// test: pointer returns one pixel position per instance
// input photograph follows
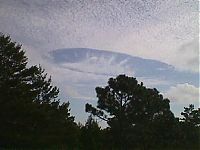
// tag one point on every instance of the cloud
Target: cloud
(100, 66)
(186, 58)
(85, 69)
(183, 94)
(78, 80)
(149, 29)
(73, 93)
(152, 82)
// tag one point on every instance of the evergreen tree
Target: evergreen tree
(190, 128)
(191, 115)
(30, 111)
(91, 136)
(135, 114)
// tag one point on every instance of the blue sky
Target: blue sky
(162, 32)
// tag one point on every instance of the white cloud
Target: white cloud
(73, 93)
(183, 94)
(149, 29)
(152, 82)
(100, 66)
(78, 80)
(188, 57)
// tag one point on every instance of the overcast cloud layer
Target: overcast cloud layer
(162, 30)
(157, 29)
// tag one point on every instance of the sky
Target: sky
(163, 33)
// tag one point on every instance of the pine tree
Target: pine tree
(30, 111)
(133, 112)
(91, 135)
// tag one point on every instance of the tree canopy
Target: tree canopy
(30, 111)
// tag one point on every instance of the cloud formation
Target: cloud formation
(183, 94)
(100, 66)
(149, 29)
(189, 54)
(84, 69)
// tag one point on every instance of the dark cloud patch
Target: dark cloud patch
(106, 63)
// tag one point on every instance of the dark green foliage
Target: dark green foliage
(30, 112)
(91, 136)
(190, 127)
(191, 116)
(137, 116)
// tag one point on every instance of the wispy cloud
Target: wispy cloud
(100, 66)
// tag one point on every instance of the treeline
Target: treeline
(138, 118)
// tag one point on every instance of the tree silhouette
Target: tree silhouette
(191, 116)
(131, 109)
(30, 111)
(91, 135)
(190, 127)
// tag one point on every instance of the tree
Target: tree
(30, 111)
(91, 135)
(190, 127)
(191, 115)
(131, 110)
